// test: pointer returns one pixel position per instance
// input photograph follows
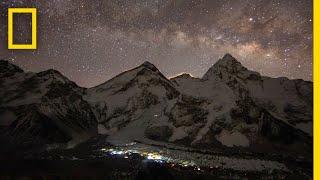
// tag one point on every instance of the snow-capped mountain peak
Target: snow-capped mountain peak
(149, 65)
(227, 59)
(46, 106)
(229, 106)
(227, 67)
(8, 69)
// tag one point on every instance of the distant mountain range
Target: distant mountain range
(230, 107)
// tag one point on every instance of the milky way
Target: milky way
(92, 41)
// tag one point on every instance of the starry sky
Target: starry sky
(92, 41)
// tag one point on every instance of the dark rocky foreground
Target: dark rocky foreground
(118, 169)
(86, 161)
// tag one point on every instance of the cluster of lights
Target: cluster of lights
(154, 156)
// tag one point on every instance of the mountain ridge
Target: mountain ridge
(229, 107)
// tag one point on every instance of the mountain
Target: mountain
(256, 112)
(229, 108)
(43, 108)
(131, 102)
(290, 100)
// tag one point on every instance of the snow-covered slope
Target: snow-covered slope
(43, 107)
(131, 102)
(231, 107)
(246, 109)
(289, 100)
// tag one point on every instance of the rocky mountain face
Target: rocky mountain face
(230, 107)
(132, 102)
(254, 111)
(42, 108)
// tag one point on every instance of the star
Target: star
(92, 42)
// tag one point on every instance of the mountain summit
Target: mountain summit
(228, 66)
(8, 69)
(149, 65)
(228, 59)
(43, 108)
(230, 107)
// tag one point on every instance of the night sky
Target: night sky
(90, 41)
